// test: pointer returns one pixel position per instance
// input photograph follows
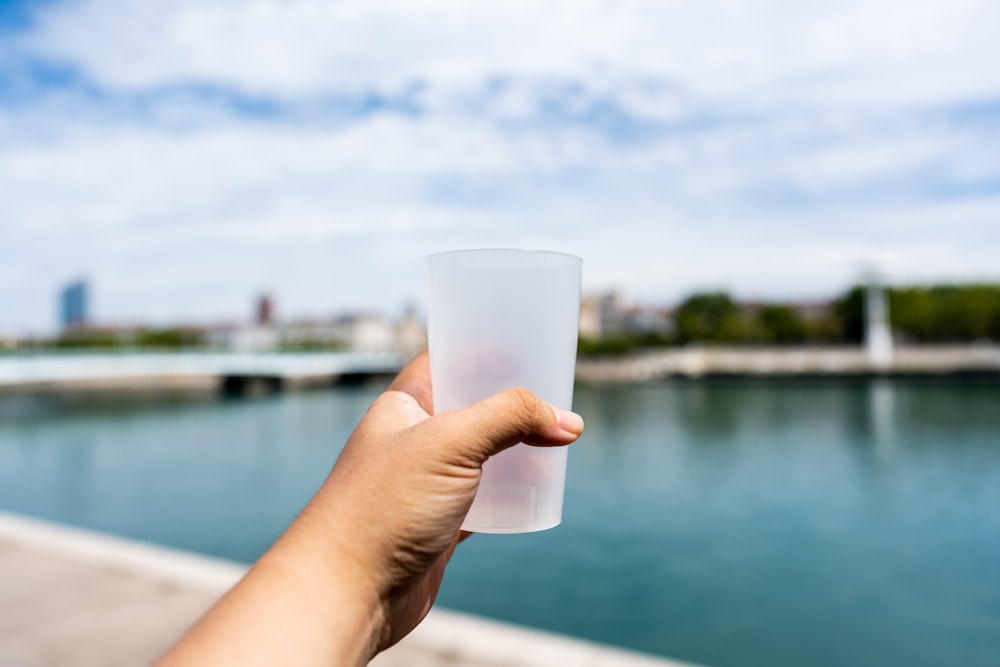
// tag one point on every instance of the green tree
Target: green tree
(934, 314)
(779, 325)
(614, 346)
(86, 339)
(170, 338)
(849, 315)
(710, 317)
(946, 313)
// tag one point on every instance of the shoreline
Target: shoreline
(703, 363)
(83, 598)
(693, 363)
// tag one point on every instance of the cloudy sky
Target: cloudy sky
(185, 155)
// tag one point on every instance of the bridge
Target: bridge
(232, 373)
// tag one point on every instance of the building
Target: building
(604, 315)
(73, 312)
(359, 332)
(410, 334)
(265, 310)
(244, 338)
(349, 332)
(365, 332)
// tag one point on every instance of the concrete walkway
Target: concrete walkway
(73, 598)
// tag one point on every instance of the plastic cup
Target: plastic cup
(499, 319)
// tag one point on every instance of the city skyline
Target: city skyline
(186, 156)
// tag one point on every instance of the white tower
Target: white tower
(878, 339)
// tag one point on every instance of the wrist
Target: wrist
(331, 588)
(334, 618)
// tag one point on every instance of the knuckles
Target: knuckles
(527, 411)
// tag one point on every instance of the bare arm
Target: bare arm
(361, 565)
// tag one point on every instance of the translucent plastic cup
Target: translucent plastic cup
(499, 319)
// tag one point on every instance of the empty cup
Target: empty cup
(499, 319)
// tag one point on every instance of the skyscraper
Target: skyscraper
(73, 305)
(265, 310)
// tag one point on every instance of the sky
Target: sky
(186, 155)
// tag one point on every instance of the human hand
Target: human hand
(361, 565)
(405, 481)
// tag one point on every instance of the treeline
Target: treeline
(936, 314)
(166, 339)
(170, 338)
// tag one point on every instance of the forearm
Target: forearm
(362, 564)
(302, 603)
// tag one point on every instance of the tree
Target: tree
(935, 314)
(849, 313)
(779, 325)
(708, 317)
(945, 313)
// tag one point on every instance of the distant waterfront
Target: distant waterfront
(789, 361)
(731, 523)
(269, 372)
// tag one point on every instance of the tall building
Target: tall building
(73, 305)
(265, 310)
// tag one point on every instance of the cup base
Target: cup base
(507, 530)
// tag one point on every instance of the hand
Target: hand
(405, 482)
(362, 564)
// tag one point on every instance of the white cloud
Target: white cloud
(716, 50)
(763, 145)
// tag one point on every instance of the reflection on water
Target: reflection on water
(883, 421)
(728, 523)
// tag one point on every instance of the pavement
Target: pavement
(75, 598)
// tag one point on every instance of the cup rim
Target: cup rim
(470, 252)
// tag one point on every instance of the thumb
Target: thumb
(503, 420)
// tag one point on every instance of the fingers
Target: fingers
(503, 420)
(494, 424)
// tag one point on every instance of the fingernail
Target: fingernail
(569, 421)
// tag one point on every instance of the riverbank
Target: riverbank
(706, 362)
(75, 598)
(230, 373)
(233, 374)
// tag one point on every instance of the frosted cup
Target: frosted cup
(499, 319)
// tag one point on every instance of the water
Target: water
(736, 524)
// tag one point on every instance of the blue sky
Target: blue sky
(186, 155)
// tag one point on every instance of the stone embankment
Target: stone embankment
(698, 362)
(75, 598)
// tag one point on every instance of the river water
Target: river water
(735, 524)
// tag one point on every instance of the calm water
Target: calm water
(735, 524)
